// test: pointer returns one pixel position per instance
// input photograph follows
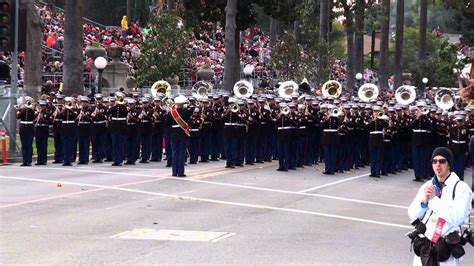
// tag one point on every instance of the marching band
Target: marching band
(294, 128)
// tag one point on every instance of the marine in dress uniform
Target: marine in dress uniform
(118, 128)
(158, 128)
(84, 124)
(421, 130)
(145, 128)
(132, 139)
(42, 122)
(252, 133)
(376, 130)
(58, 149)
(284, 126)
(194, 129)
(177, 121)
(27, 116)
(99, 129)
(330, 141)
(207, 115)
(68, 130)
(459, 140)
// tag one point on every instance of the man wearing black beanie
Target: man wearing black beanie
(443, 204)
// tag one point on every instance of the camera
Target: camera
(420, 228)
(467, 237)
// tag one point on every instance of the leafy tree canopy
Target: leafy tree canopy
(164, 50)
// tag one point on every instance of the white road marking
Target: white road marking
(256, 188)
(78, 193)
(181, 193)
(230, 203)
(333, 183)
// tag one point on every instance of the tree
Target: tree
(33, 62)
(349, 23)
(385, 32)
(164, 51)
(230, 44)
(73, 69)
(422, 32)
(359, 35)
(399, 43)
(324, 21)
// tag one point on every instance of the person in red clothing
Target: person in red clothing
(51, 40)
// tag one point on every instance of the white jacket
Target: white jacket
(455, 212)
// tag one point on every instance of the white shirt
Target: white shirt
(455, 212)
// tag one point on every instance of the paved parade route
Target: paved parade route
(97, 214)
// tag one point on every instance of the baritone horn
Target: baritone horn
(29, 102)
(119, 98)
(368, 92)
(201, 89)
(332, 88)
(405, 94)
(445, 99)
(243, 89)
(287, 88)
(160, 86)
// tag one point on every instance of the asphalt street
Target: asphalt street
(252, 215)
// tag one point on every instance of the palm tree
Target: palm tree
(399, 43)
(423, 22)
(323, 20)
(359, 36)
(349, 23)
(385, 31)
(33, 60)
(73, 40)
(231, 53)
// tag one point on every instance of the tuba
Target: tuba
(201, 89)
(160, 86)
(445, 99)
(405, 94)
(29, 102)
(119, 98)
(368, 92)
(287, 88)
(332, 88)
(243, 89)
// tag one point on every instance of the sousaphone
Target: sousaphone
(243, 89)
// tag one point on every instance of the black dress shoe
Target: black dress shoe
(341, 171)
(239, 165)
(56, 162)
(168, 165)
(192, 162)
(40, 163)
(229, 166)
(130, 163)
(109, 160)
(215, 160)
(268, 160)
(292, 168)
(203, 161)
(67, 164)
(259, 161)
(24, 164)
(282, 170)
(328, 173)
(384, 173)
(249, 163)
(183, 175)
(144, 161)
(418, 180)
(82, 163)
(116, 164)
(97, 161)
(154, 160)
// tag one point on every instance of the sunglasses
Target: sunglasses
(441, 161)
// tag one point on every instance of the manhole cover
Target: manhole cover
(173, 235)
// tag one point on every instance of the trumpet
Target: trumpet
(234, 108)
(285, 110)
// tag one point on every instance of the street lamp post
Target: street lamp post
(424, 81)
(359, 78)
(100, 63)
